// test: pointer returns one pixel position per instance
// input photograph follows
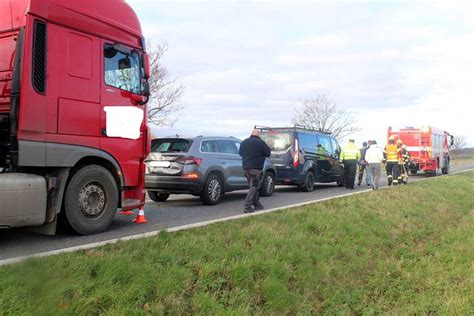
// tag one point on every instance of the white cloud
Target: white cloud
(243, 63)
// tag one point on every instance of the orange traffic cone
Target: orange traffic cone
(129, 212)
(140, 219)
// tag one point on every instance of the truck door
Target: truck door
(122, 120)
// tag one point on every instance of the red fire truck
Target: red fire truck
(73, 128)
(428, 148)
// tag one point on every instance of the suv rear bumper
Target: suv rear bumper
(172, 184)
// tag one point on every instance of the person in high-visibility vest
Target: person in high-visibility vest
(390, 154)
(404, 162)
(349, 156)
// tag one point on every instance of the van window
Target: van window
(325, 142)
(121, 70)
(170, 145)
(277, 141)
(308, 142)
(227, 147)
(335, 146)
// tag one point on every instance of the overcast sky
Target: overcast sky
(403, 63)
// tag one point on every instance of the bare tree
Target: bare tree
(165, 105)
(459, 142)
(321, 113)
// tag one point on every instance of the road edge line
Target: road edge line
(10, 261)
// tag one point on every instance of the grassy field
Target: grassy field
(406, 250)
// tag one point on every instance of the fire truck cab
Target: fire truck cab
(73, 116)
(428, 148)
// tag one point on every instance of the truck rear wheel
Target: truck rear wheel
(446, 167)
(91, 200)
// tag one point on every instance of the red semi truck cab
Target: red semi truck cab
(428, 147)
(73, 115)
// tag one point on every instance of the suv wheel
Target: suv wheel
(308, 184)
(213, 190)
(157, 196)
(268, 184)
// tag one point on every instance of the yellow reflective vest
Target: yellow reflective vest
(391, 152)
(350, 152)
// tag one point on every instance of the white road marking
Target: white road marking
(190, 226)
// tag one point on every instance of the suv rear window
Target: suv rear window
(170, 145)
(277, 141)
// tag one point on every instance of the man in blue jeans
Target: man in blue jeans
(253, 151)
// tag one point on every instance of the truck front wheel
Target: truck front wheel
(90, 200)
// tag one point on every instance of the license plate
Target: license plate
(159, 164)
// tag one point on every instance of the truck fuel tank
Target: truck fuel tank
(23, 200)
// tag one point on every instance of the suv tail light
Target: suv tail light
(296, 156)
(190, 160)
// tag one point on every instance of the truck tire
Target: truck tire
(446, 167)
(268, 184)
(157, 196)
(213, 190)
(91, 200)
(308, 184)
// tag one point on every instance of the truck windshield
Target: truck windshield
(277, 141)
(122, 70)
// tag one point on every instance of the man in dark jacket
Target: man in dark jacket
(253, 151)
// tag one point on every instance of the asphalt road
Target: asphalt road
(177, 211)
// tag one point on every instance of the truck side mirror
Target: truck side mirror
(146, 65)
(145, 88)
(452, 140)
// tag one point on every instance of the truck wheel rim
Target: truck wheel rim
(92, 200)
(214, 189)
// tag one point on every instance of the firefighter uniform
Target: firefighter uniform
(390, 154)
(349, 156)
(403, 162)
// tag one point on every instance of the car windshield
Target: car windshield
(276, 140)
(170, 145)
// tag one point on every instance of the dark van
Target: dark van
(303, 156)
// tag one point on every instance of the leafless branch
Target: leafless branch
(165, 105)
(321, 113)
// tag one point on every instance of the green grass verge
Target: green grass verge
(407, 250)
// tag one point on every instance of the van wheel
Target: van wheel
(91, 200)
(308, 184)
(268, 184)
(213, 190)
(342, 181)
(157, 196)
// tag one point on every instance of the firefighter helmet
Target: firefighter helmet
(399, 142)
(391, 139)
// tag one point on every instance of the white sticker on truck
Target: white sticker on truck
(123, 121)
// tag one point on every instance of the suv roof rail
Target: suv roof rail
(294, 128)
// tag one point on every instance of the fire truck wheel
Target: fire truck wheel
(445, 169)
(91, 200)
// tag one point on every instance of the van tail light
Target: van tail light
(296, 155)
(190, 160)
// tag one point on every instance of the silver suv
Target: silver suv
(202, 166)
